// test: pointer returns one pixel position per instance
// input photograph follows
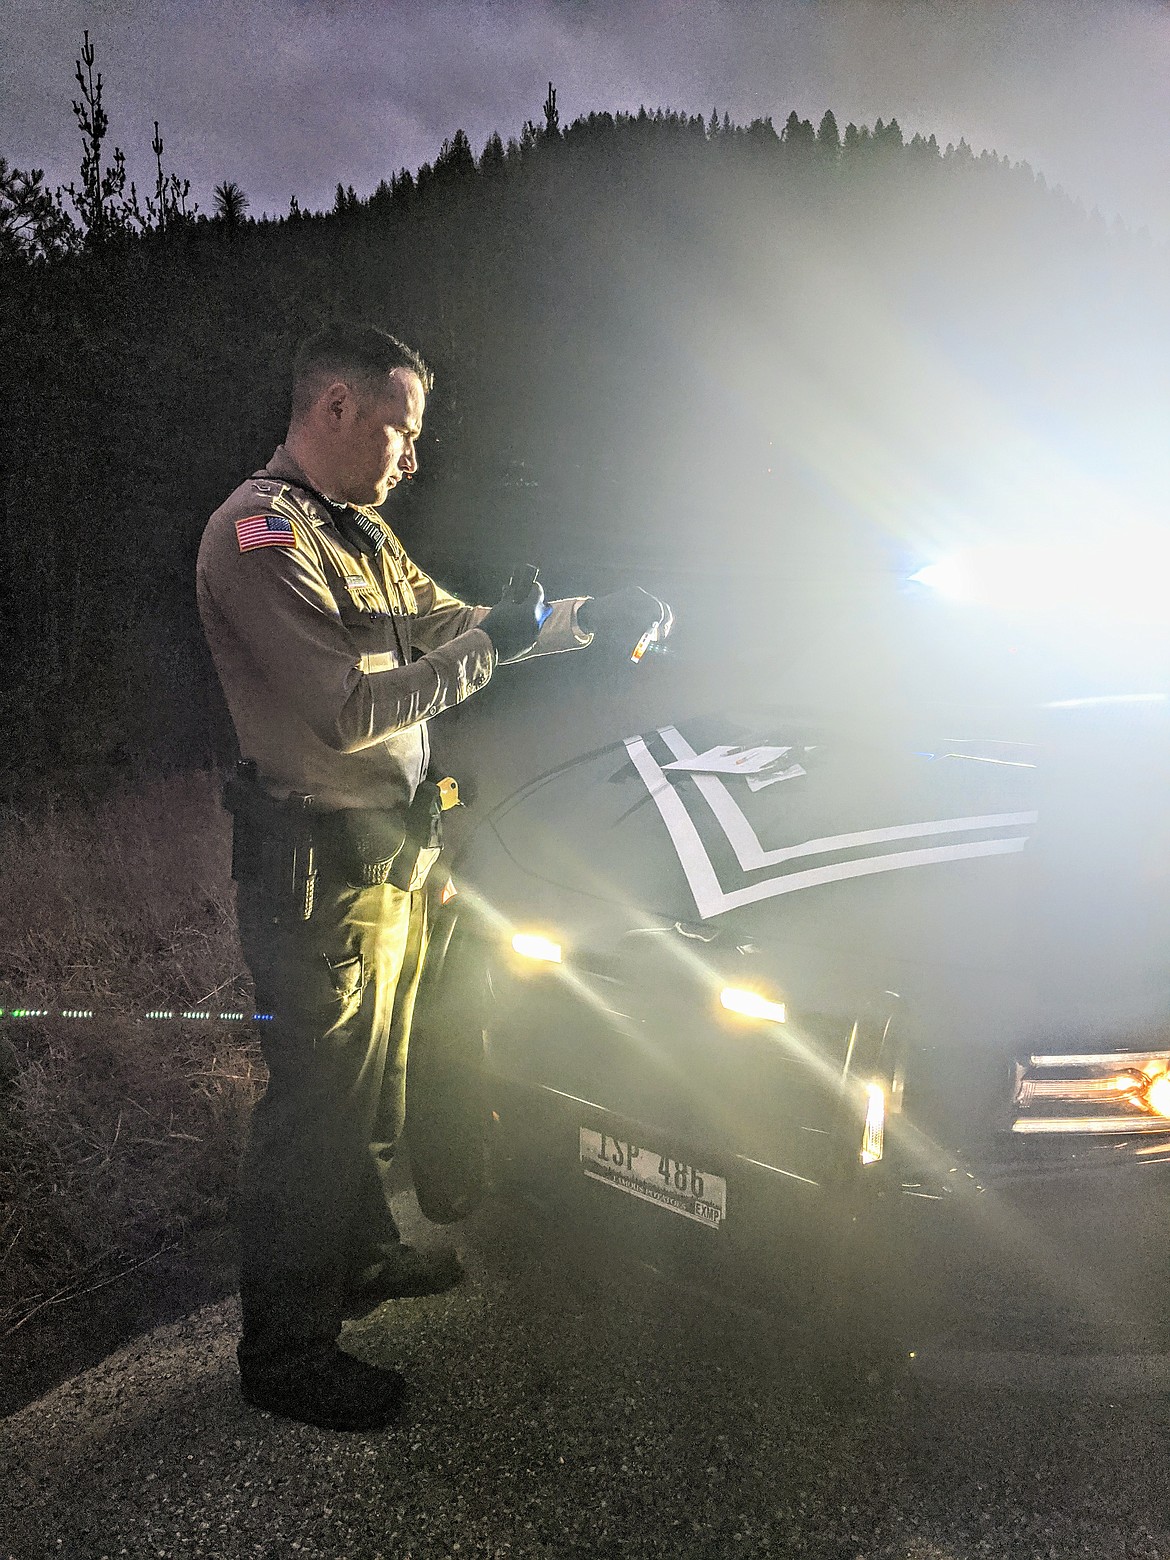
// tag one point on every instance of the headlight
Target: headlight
(1112, 1092)
(752, 1004)
(531, 945)
(873, 1134)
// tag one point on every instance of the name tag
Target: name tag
(380, 661)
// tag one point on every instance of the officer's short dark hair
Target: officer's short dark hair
(358, 353)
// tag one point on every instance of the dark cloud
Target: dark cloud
(292, 98)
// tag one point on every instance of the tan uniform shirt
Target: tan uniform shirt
(332, 662)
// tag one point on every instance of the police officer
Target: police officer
(334, 650)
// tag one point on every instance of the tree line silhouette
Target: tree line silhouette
(657, 335)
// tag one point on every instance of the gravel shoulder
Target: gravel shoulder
(557, 1410)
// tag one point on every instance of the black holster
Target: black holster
(273, 844)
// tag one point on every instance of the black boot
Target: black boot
(406, 1272)
(333, 1390)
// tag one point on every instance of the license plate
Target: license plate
(658, 1178)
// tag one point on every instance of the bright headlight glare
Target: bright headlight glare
(531, 945)
(1126, 578)
(752, 1004)
(945, 577)
(873, 1136)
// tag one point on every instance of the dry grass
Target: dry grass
(119, 1136)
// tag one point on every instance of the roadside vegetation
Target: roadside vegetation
(119, 1134)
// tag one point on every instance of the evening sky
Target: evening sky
(290, 98)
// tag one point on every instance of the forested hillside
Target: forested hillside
(656, 338)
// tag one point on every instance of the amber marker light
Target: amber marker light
(1158, 1095)
(530, 945)
(752, 1005)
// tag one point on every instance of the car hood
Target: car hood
(831, 846)
(940, 852)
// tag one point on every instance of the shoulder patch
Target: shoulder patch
(265, 531)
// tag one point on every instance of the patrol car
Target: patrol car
(872, 1014)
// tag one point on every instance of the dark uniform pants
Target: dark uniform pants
(314, 1212)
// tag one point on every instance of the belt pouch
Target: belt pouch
(366, 841)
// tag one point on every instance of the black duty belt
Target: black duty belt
(286, 845)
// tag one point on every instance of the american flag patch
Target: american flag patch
(265, 531)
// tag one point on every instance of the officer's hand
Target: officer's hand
(512, 626)
(624, 616)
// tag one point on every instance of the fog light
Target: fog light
(530, 945)
(873, 1136)
(752, 1005)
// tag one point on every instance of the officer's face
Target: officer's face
(379, 447)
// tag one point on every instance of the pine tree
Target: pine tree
(798, 134)
(231, 204)
(491, 162)
(402, 189)
(762, 132)
(552, 120)
(101, 202)
(33, 223)
(456, 160)
(345, 201)
(169, 205)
